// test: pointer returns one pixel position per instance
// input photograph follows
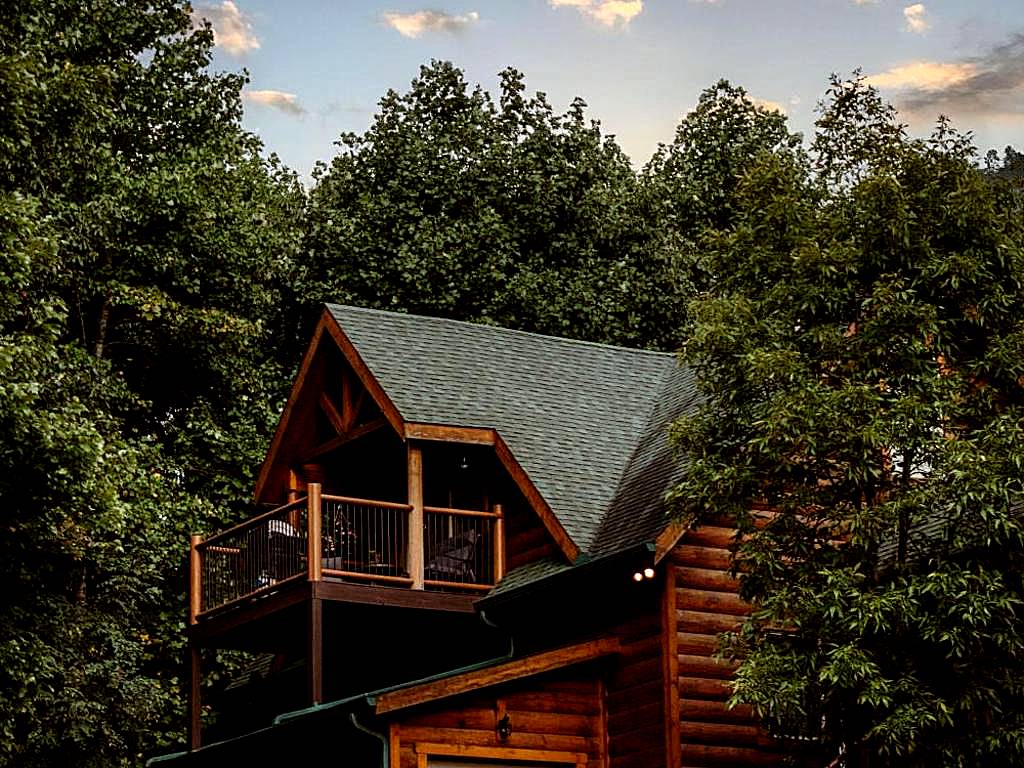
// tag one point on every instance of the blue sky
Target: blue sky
(318, 67)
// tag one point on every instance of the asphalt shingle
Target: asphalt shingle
(587, 422)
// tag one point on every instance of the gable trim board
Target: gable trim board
(493, 675)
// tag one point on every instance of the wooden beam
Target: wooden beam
(668, 538)
(313, 543)
(315, 653)
(195, 579)
(345, 437)
(195, 719)
(348, 416)
(401, 597)
(527, 666)
(536, 500)
(415, 554)
(450, 434)
(499, 543)
(363, 373)
(670, 667)
(395, 744)
(331, 412)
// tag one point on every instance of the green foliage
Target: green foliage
(452, 204)
(689, 186)
(862, 354)
(144, 244)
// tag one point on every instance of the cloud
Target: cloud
(991, 83)
(611, 13)
(280, 100)
(232, 29)
(771, 106)
(925, 75)
(417, 23)
(915, 16)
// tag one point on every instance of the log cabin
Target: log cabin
(465, 559)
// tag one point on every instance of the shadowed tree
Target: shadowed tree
(146, 247)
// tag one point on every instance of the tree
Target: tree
(145, 250)
(504, 212)
(861, 355)
(689, 185)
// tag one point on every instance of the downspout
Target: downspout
(511, 638)
(385, 761)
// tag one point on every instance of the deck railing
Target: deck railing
(462, 548)
(351, 539)
(252, 556)
(365, 540)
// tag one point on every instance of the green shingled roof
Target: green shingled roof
(587, 422)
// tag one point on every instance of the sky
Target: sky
(319, 67)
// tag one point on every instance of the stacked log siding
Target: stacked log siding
(706, 603)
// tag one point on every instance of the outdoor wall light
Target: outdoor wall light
(646, 573)
(505, 727)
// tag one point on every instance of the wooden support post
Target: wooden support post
(315, 651)
(313, 541)
(195, 579)
(499, 543)
(416, 521)
(670, 668)
(195, 721)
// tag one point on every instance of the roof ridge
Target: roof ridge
(500, 328)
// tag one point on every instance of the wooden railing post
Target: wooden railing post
(313, 522)
(195, 579)
(499, 543)
(416, 554)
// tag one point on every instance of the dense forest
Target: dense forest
(852, 303)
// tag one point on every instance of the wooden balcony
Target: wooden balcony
(338, 538)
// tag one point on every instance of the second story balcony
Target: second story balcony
(328, 537)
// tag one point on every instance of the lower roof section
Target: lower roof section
(346, 727)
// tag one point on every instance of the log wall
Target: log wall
(636, 699)
(560, 712)
(706, 603)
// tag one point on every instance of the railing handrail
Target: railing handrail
(456, 512)
(367, 502)
(252, 522)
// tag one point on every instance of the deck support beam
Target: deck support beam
(315, 652)
(195, 721)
